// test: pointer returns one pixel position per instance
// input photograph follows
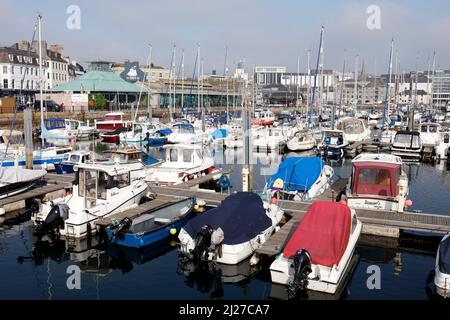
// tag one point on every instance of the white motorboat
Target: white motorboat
(320, 250)
(300, 178)
(79, 129)
(99, 190)
(184, 133)
(407, 144)
(442, 268)
(333, 143)
(268, 139)
(378, 182)
(231, 232)
(302, 141)
(355, 129)
(16, 180)
(183, 162)
(263, 118)
(430, 134)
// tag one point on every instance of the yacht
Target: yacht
(263, 118)
(184, 133)
(269, 139)
(302, 141)
(354, 129)
(333, 143)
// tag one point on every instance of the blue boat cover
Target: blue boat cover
(219, 134)
(297, 173)
(444, 255)
(186, 125)
(164, 132)
(241, 216)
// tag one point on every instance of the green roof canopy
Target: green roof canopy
(98, 81)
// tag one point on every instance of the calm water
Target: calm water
(32, 270)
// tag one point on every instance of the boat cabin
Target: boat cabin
(97, 183)
(333, 137)
(54, 123)
(183, 128)
(377, 182)
(183, 156)
(430, 133)
(77, 157)
(15, 138)
(408, 140)
(126, 155)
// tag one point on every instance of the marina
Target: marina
(138, 181)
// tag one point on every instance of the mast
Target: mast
(182, 80)
(225, 71)
(41, 80)
(315, 73)
(342, 93)
(308, 79)
(355, 87)
(297, 79)
(149, 108)
(433, 72)
(198, 78)
(386, 102)
(174, 103)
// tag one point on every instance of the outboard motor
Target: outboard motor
(53, 222)
(302, 268)
(202, 243)
(123, 226)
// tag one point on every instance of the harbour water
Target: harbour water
(40, 270)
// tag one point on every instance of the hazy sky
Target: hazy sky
(260, 32)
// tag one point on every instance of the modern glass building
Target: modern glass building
(441, 88)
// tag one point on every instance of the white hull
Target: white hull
(233, 254)
(441, 280)
(323, 279)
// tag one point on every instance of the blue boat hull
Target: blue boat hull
(138, 241)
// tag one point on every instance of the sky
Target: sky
(258, 32)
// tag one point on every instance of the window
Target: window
(173, 155)
(423, 129)
(11, 57)
(5, 83)
(12, 69)
(118, 181)
(74, 158)
(102, 184)
(187, 155)
(433, 129)
(80, 182)
(5, 70)
(19, 58)
(374, 181)
(90, 188)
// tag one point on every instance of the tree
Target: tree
(96, 101)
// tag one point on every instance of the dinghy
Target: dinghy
(320, 250)
(151, 226)
(300, 178)
(442, 268)
(231, 232)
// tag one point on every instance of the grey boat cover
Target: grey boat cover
(11, 175)
(241, 216)
(444, 255)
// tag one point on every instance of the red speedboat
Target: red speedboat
(113, 136)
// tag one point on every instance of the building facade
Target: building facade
(441, 88)
(268, 75)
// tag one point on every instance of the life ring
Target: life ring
(224, 182)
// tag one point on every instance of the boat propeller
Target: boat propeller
(302, 268)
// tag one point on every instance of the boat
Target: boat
(113, 136)
(17, 180)
(333, 143)
(42, 158)
(70, 160)
(99, 190)
(302, 141)
(139, 132)
(184, 133)
(442, 268)
(79, 129)
(159, 137)
(319, 252)
(269, 139)
(112, 121)
(263, 118)
(430, 134)
(407, 144)
(354, 129)
(152, 226)
(183, 162)
(231, 232)
(300, 178)
(378, 182)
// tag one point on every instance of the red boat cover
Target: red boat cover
(324, 232)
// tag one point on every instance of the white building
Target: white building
(19, 71)
(268, 75)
